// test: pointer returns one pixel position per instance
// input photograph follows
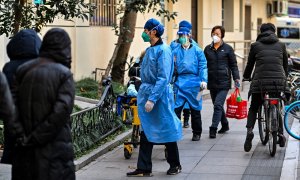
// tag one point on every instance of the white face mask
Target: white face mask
(216, 39)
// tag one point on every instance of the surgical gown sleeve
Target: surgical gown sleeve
(164, 71)
(202, 66)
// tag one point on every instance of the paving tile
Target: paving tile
(256, 177)
(216, 169)
(224, 161)
(213, 177)
(228, 147)
(265, 171)
(226, 154)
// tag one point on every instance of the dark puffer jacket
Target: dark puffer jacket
(269, 57)
(7, 108)
(44, 98)
(221, 63)
(24, 46)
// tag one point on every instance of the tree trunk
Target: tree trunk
(119, 57)
(127, 30)
(19, 4)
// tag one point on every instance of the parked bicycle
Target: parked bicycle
(270, 121)
(291, 118)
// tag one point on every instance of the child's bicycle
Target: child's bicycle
(292, 118)
(127, 108)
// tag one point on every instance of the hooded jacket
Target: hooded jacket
(269, 56)
(44, 97)
(24, 46)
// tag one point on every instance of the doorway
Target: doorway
(248, 24)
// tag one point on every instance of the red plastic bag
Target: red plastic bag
(236, 107)
(232, 105)
(242, 110)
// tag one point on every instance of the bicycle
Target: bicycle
(270, 121)
(292, 113)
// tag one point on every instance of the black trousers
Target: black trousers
(195, 119)
(144, 160)
(256, 101)
(186, 115)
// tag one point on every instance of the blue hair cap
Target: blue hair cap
(153, 24)
(186, 24)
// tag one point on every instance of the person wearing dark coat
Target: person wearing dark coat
(7, 108)
(24, 46)
(44, 97)
(221, 67)
(269, 57)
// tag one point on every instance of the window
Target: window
(104, 14)
(227, 15)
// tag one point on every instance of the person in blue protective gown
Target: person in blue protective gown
(155, 100)
(174, 44)
(191, 69)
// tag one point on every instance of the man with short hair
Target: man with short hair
(155, 100)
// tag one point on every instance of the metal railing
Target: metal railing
(241, 49)
(91, 125)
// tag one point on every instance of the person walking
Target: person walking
(155, 100)
(190, 63)
(269, 57)
(28, 44)
(44, 96)
(174, 44)
(221, 65)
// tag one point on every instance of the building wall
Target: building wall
(92, 47)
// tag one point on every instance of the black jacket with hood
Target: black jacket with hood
(44, 97)
(269, 56)
(24, 46)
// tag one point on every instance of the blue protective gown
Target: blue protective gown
(192, 70)
(160, 125)
(174, 44)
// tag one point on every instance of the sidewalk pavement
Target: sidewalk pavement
(221, 158)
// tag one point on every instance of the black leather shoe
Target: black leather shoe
(281, 140)
(139, 173)
(248, 141)
(212, 132)
(196, 137)
(224, 129)
(174, 170)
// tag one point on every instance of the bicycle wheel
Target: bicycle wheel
(273, 125)
(262, 128)
(292, 113)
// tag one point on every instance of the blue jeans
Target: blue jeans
(218, 97)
